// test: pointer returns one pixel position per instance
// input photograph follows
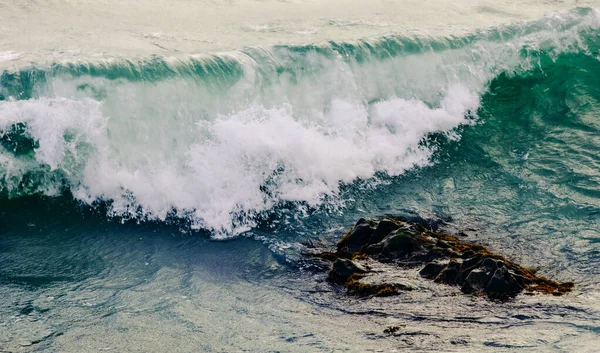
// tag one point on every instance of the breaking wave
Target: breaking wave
(222, 140)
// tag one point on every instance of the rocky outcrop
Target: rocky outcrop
(440, 257)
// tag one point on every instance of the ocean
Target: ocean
(163, 166)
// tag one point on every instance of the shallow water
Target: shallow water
(162, 203)
(79, 283)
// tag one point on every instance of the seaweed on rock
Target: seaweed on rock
(442, 258)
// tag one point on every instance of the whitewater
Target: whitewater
(135, 136)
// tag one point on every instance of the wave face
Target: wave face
(223, 141)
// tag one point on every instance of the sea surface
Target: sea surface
(164, 164)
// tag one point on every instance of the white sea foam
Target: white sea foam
(236, 165)
(8, 56)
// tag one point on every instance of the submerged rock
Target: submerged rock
(442, 258)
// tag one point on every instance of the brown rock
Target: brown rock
(443, 258)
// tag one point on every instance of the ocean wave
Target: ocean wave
(221, 139)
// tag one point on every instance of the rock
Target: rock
(450, 273)
(374, 249)
(384, 228)
(342, 270)
(432, 270)
(476, 281)
(356, 287)
(391, 330)
(358, 237)
(397, 244)
(502, 285)
(442, 257)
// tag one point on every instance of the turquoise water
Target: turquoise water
(164, 202)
